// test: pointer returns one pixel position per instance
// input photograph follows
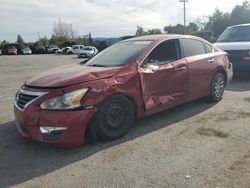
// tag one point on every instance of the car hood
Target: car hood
(233, 45)
(71, 75)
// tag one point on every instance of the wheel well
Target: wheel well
(90, 134)
(223, 72)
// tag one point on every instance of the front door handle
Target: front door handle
(178, 69)
(210, 60)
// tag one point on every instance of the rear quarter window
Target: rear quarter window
(208, 47)
(192, 47)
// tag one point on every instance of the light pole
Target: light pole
(184, 2)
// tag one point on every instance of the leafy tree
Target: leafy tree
(178, 29)
(192, 27)
(153, 31)
(140, 31)
(19, 40)
(240, 14)
(218, 22)
(3, 43)
(43, 41)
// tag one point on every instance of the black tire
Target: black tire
(114, 117)
(70, 53)
(217, 87)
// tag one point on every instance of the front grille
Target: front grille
(23, 99)
(237, 55)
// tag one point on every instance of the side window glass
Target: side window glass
(192, 47)
(165, 52)
(209, 48)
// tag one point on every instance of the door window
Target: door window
(192, 47)
(165, 52)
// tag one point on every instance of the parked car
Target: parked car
(77, 48)
(235, 40)
(131, 79)
(40, 49)
(26, 51)
(65, 50)
(52, 49)
(0, 52)
(12, 50)
(87, 52)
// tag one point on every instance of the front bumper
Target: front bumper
(241, 68)
(29, 121)
(230, 73)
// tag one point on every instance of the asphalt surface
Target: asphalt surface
(199, 144)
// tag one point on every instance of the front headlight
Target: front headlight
(65, 102)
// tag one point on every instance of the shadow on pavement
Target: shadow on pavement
(22, 159)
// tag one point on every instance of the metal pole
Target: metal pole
(184, 2)
(184, 13)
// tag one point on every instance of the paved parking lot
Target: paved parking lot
(199, 144)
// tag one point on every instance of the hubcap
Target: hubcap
(219, 87)
(114, 116)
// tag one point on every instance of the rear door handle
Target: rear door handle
(178, 69)
(210, 60)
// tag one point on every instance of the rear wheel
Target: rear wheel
(114, 117)
(217, 87)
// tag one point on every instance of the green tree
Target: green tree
(19, 40)
(3, 43)
(43, 41)
(153, 31)
(240, 14)
(140, 31)
(218, 22)
(178, 29)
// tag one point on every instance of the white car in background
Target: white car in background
(87, 52)
(52, 49)
(65, 51)
(26, 51)
(77, 48)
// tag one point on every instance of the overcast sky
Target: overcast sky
(112, 18)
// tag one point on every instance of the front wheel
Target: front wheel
(217, 87)
(114, 117)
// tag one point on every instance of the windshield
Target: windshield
(119, 54)
(235, 34)
(87, 48)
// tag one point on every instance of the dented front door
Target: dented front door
(164, 84)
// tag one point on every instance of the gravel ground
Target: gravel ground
(199, 144)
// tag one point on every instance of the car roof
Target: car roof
(239, 25)
(161, 37)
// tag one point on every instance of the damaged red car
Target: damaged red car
(131, 79)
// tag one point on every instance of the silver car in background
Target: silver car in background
(26, 51)
(87, 52)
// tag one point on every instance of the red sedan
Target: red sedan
(131, 79)
(12, 51)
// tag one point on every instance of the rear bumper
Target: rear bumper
(74, 123)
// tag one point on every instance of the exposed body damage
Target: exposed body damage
(150, 88)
